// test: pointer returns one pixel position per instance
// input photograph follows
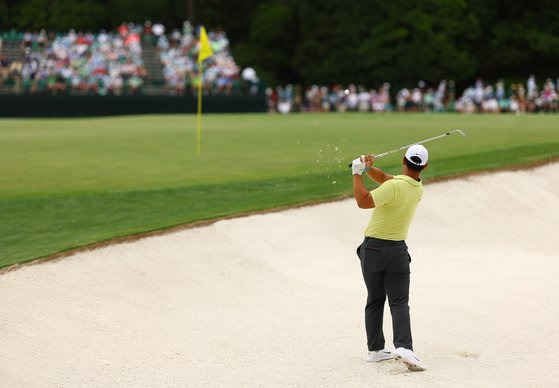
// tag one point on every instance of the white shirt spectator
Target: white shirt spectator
(416, 97)
(103, 37)
(162, 43)
(249, 75)
(532, 88)
(158, 29)
(176, 35)
(364, 101)
(478, 94)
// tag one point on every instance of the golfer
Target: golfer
(385, 261)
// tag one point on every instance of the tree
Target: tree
(332, 41)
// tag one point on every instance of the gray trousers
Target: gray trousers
(386, 270)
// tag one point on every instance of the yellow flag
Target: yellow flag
(205, 46)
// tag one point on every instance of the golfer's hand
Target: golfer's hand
(358, 165)
(369, 160)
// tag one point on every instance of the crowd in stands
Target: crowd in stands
(477, 98)
(80, 63)
(112, 62)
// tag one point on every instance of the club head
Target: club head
(460, 132)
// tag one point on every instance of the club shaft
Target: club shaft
(419, 142)
(409, 145)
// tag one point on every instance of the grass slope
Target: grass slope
(70, 182)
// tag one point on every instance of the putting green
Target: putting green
(65, 183)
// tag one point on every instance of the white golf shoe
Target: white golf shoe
(409, 358)
(379, 355)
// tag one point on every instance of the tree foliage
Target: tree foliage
(333, 41)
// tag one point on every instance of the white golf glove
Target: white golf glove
(358, 165)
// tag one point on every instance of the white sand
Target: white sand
(277, 299)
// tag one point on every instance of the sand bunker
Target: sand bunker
(277, 299)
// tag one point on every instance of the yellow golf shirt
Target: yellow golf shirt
(395, 203)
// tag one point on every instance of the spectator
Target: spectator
(123, 29)
(439, 97)
(514, 106)
(521, 98)
(284, 99)
(176, 37)
(42, 39)
(532, 88)
(158, 30)
(147, 32)
(382, 101)
(249, 76)
(429, 100)
(478, 94)
(403, 99)
(163, 43)
(549, 97)
(451, 101)
(271, 100)
(500, 90)
(351, 98)
(27, 41)
(364, 98)
(489, 103)
(416, 99)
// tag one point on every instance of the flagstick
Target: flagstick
(199, 115)
(205, 52)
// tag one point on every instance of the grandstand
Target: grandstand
(129, 60)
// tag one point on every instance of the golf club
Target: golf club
(419, 142)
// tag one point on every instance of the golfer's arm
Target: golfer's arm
(361, 194)
(378, 175)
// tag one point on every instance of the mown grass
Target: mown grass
(70, 182)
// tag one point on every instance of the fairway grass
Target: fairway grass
(66, 183)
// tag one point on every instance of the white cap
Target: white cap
(417, 154)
